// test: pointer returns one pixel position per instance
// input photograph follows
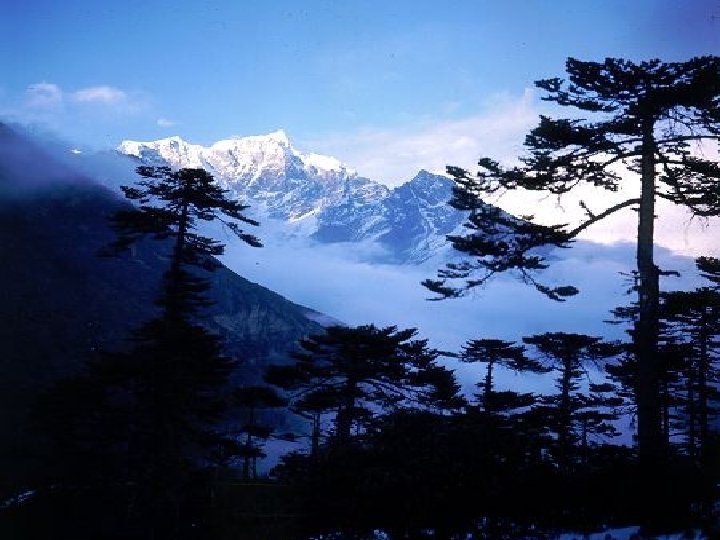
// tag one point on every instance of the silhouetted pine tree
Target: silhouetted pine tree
(253, 400)
(693, 318)
(498, 353)
(573, 414)
(156, 407)
(175, 374)
(361, 373)
(674, 364)
(597, 414)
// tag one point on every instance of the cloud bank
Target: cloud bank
(324, 278)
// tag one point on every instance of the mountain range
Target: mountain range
(317, 196)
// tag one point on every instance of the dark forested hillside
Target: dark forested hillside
(62, 304)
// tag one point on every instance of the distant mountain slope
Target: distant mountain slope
(60, 304)
(317, 195)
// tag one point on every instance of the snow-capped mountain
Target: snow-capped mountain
(275, 178)
(317, 195)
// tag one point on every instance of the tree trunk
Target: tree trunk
(665, 410)
(315, 439)
(691, 412)
(173, 305)
(346, 414)
(248, 444)
(246, 458)
(650, 444)
(703, 362)
(565, 425)
(487, 391)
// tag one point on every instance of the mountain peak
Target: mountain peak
(274, 138)
(426, 180)
(230, 157)
(424, 174)
(135, 147)
(279, 136)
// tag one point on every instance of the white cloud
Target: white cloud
(43, 95)
(93, 116)
(394, 156)
(327, 278)
(164, 122)
(99, 94)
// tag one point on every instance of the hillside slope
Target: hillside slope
(62, 305)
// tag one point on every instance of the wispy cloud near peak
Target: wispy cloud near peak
(99, 94)
(43, 95)
(47, 95)
(164, 123)
(395, 155)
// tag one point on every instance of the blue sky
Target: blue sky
(383, 85)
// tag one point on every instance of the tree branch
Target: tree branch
(602, 215)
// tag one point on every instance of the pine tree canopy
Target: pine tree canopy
(709, 269)
(169, 206)
(358, 371)
(170, 203)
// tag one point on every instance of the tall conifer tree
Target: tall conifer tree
(572, 413)
(644, 116)
(498, 353)
(174, 376)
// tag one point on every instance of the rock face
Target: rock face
(317, 195)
